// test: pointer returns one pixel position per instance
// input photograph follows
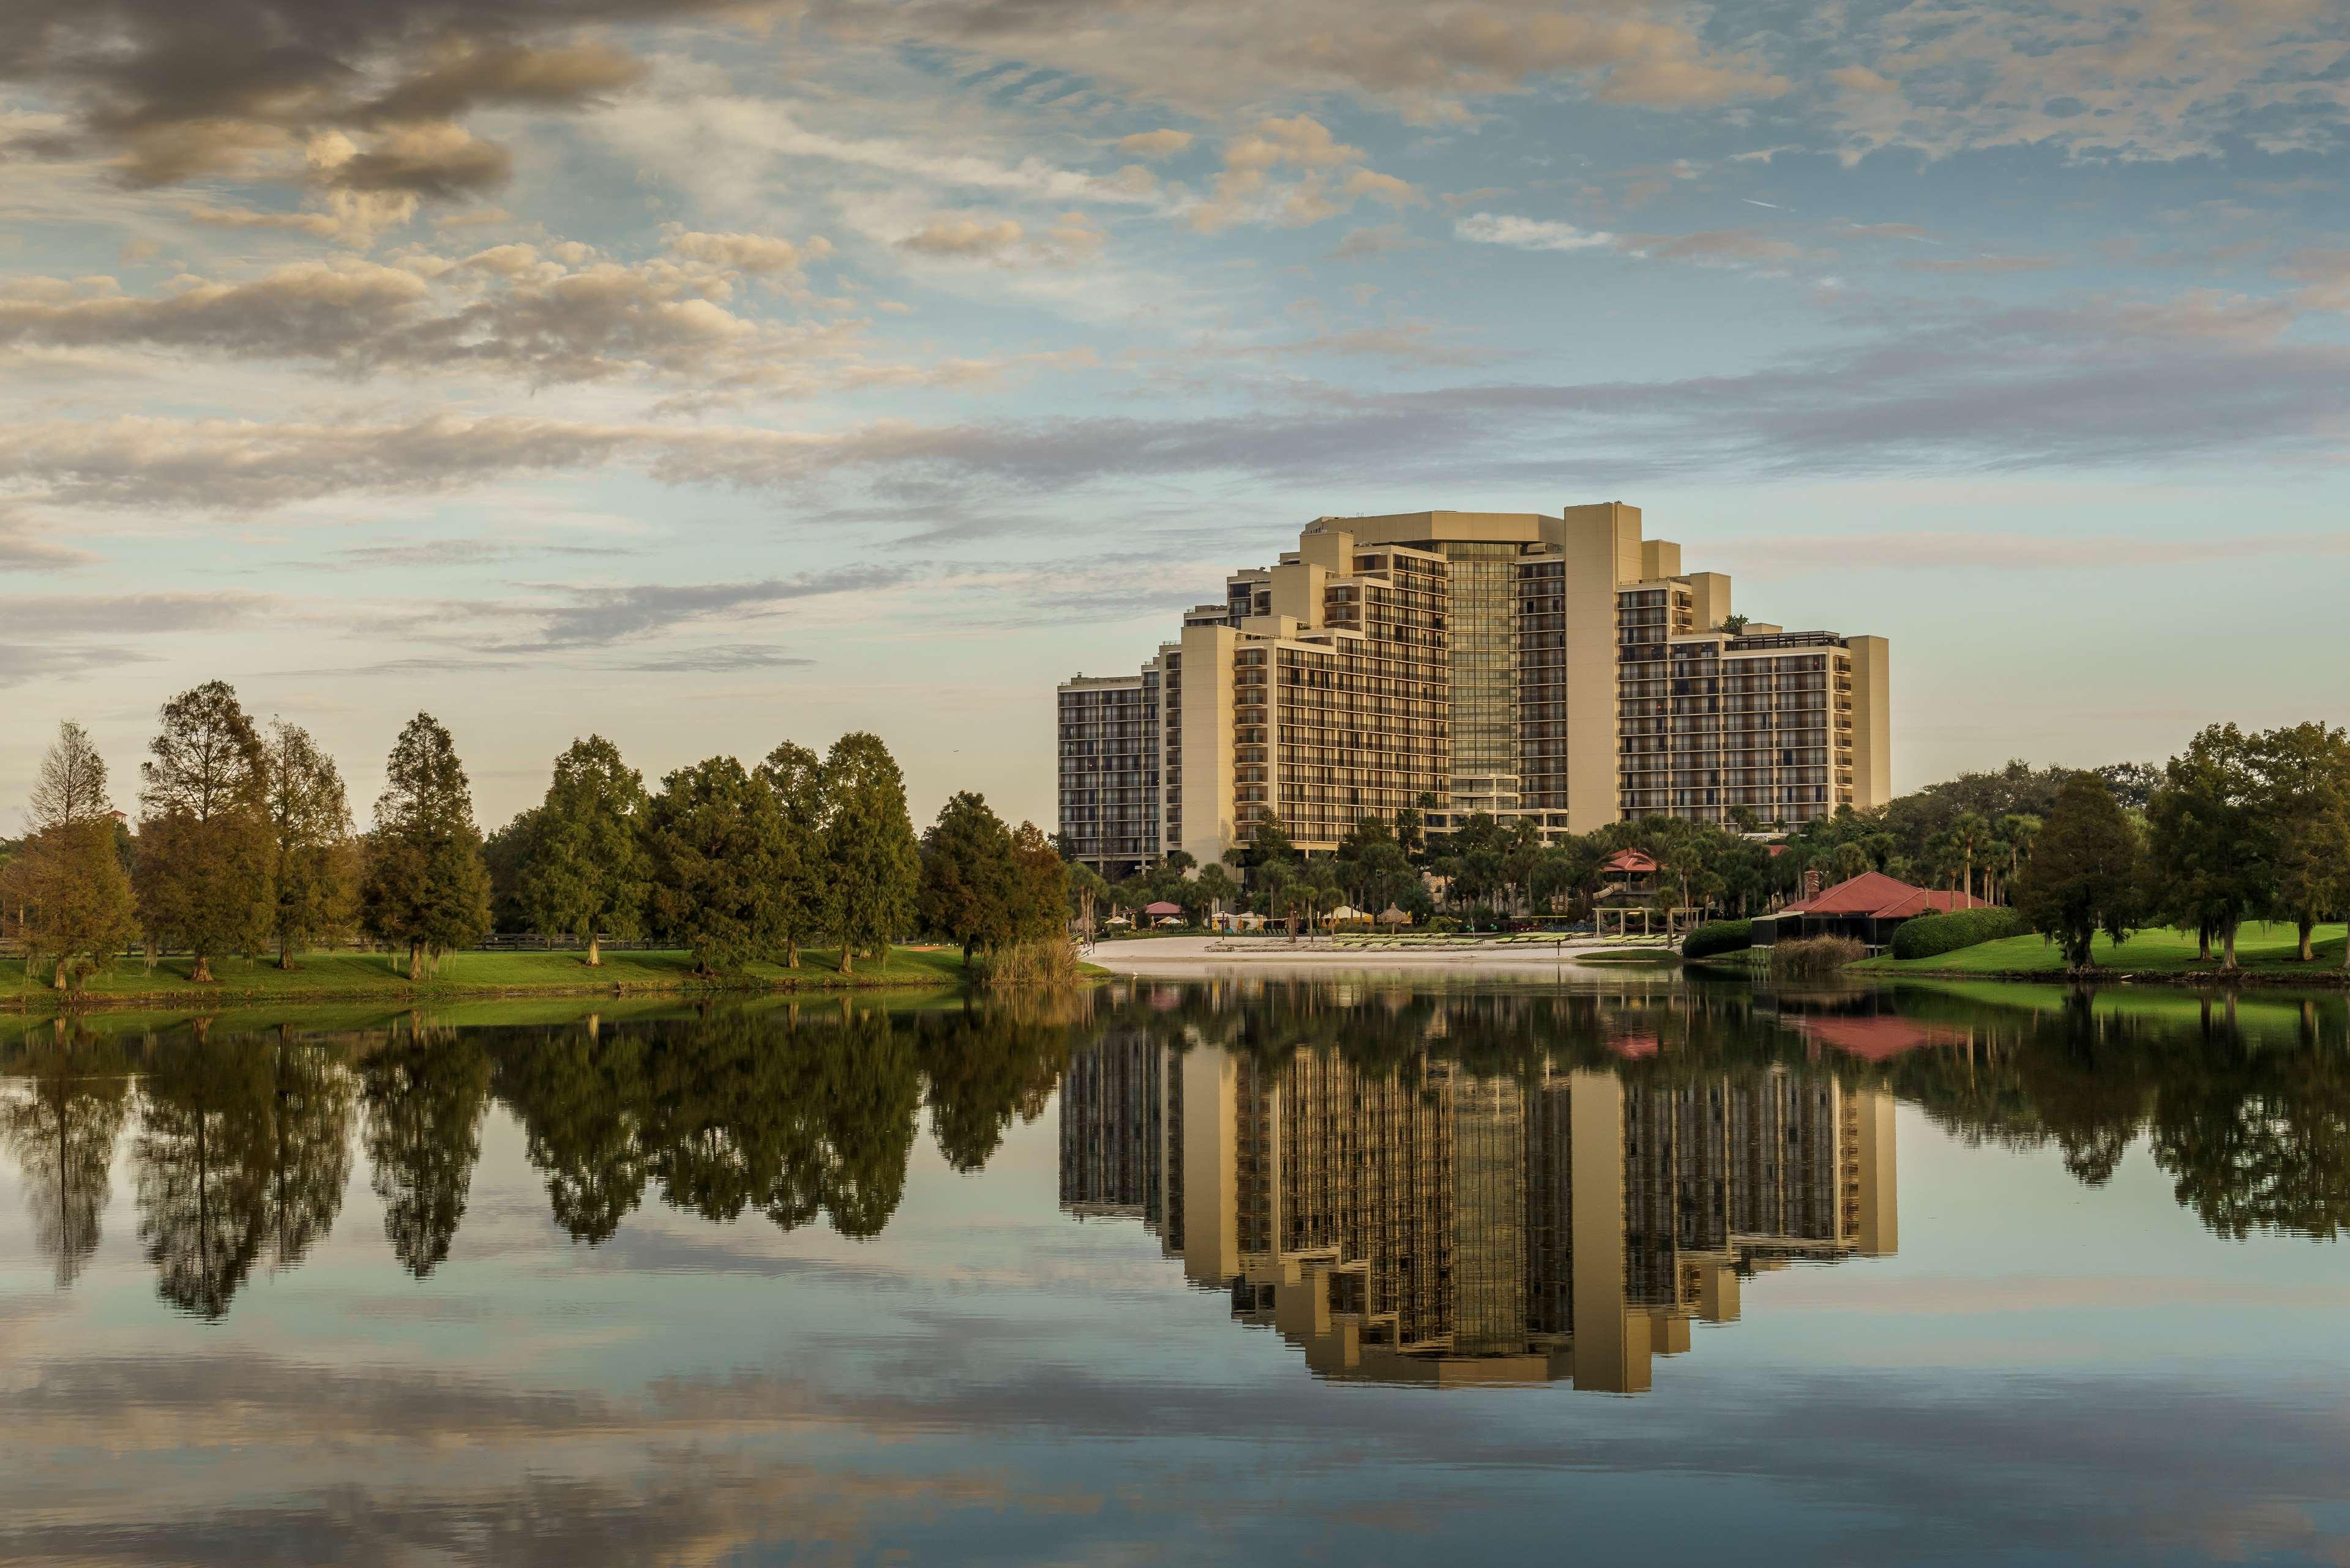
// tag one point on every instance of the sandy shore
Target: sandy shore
(1196, 955)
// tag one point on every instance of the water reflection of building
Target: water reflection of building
(1430, 1225)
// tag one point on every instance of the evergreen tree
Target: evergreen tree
(2207, 870)
(2084, 876)
(870, 858)
(795, 776)
(968, 877)
(2303, 773)
(72, 782)
(314, 870)
(718, 864)
(427, 888)
(204, 839)
(1039, 900)
(588, 869)
(73, 899)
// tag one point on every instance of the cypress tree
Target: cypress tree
(427, 888)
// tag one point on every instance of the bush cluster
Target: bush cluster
(1811, 956)
(1930, 936)
(1718, 937)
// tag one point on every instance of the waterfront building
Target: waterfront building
(1563, 670)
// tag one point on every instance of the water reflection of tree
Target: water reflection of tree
(425, 1093)
(796, 1113)
(62, 1131)
(2260, 1142)
(243, 1153)
(580, 1097)
(2248, 1112)
(983, 1066)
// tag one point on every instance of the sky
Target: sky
(705, 375)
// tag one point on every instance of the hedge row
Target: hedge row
(1718, 937)
(1931, 936)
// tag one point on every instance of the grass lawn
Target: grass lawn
(349, 976)
(2265, 949)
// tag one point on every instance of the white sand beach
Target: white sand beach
(1198, 955)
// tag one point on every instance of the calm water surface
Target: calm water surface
(1620, 1271)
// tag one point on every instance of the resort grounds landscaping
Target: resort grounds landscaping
(2265, 952)
(329, 977)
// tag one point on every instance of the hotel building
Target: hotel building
(1434, 1226)
(1560, 669)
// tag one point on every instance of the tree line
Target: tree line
(2238, 827)
(243, 844)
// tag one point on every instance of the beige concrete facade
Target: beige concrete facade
(1565, 671)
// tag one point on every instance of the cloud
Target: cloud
(1155, 144)
(171, 89)
(717, 660)
(597, 617)
(1529, 234)
(760, 254)
(2002, 551)
(964, 237)
(509, 310)
(78, 615)
(1988, 266)
(1213, 56)
(2195, 379)
(1362, 244)
(1333, 177)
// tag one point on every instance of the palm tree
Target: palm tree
(1851, 860)
(1968, 832)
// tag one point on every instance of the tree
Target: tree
(870, 860)
(75, 905)
(204, 839)
(508, 852)
(719, 863)
(2083, 875)
(72, 783)
(2206, 866)
(2303, 781)
(1086, 891)
(73, 899)
(588, 871)
(967, 879)
(313, 865)
(1968, 834)
(427, 887)
(795, 775)
(1219, 887)
(1040, 888)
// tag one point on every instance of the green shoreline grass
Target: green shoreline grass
(335, 977)
(2267, 955)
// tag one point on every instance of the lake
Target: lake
(1616, 1268)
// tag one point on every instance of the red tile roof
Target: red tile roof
(1627, 860)
(1881, 897)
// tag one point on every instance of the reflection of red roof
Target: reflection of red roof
(1876, 1039)
(1162, 908)
(1634, 1046)
(1882, 897)
(1627, 860)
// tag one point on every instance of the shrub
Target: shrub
(1930, 936)
(1044, 961)
(1809, 956)
(1718, 937)
(1443, 925)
